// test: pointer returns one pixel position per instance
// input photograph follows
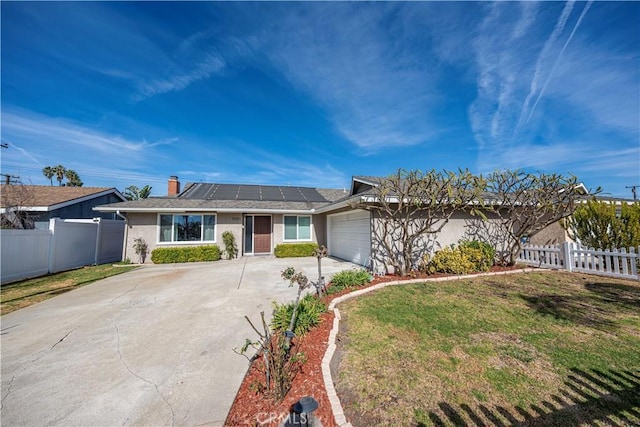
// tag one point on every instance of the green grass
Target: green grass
(446, 352)
(17, 295)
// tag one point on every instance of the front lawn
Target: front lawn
(17, 295)
(528, 349)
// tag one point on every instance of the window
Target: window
(187, 228)
(297, 228)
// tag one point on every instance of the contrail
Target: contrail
(557, 30)
(584, 12)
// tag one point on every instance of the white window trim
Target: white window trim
(190, 242)
(297, 217)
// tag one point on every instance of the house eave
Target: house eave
(212, 210)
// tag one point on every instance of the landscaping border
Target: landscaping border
(336, 406)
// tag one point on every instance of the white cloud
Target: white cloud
(376, 90)
(32, 126)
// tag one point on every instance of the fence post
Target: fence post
(96, 255)
(52, 245)
(566, 255)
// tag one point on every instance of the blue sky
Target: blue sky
(313, 93)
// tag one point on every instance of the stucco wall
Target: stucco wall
(145, 226)
(461, 226)
(550, 235)
(141, 225)
(229, 222)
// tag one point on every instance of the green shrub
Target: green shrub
(309, 311)
(348, 279)
(488, 253)
(185, 254)
(466, 258)
(292, 250)
(450, 260)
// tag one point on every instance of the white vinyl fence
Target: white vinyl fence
(621, 263)
(69, 243)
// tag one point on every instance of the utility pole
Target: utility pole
(633, 190)
(10, 179)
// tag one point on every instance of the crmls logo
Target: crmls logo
(265, 418)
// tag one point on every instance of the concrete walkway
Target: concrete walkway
(148, 347)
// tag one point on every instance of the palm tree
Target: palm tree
(132, 192)
(49, 172)
(73, 179)
(59, 172)
(145, 192)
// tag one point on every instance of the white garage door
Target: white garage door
(350, 236)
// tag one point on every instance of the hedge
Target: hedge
(185, 254)
(291, 250)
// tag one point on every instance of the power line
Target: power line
(633, 190)
(10, 179)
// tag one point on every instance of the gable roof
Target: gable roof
(48, 198)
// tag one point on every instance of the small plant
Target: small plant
(348, 279)
(280, 367)
(294, 250)
(230, 247)
(309, 311)
(141, 248)
(125, 261)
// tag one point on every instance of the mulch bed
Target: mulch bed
(252, 408)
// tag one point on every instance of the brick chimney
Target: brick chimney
(174, 186)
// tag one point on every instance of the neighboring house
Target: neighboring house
(27, 206)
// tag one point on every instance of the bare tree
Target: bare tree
(523, 204)
(410, 207)
(15, 198)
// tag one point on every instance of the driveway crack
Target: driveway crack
(173, 415)
(242, 274)
(125, 293)
(63, 338)
(8, 392)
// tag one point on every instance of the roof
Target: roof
(272, 193)
(206, 197)
(48, 198)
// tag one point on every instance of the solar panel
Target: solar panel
(312, 195)
(225, 192)
(249, 192)
(198, 191)
(271, 193)
(292, 194)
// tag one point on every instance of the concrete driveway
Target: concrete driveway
(148, 347)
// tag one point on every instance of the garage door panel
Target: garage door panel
(349, 236)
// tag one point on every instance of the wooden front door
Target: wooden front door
(261, 234)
